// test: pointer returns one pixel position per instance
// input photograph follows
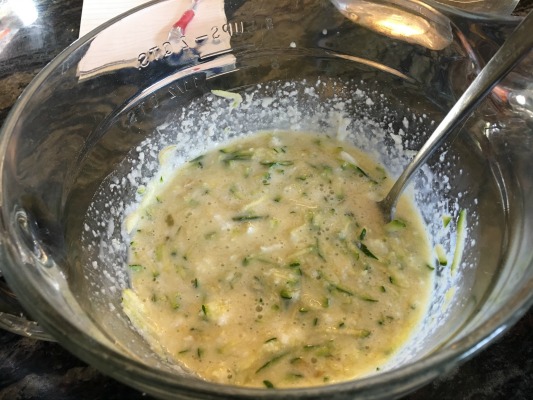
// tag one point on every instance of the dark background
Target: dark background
(31, 369)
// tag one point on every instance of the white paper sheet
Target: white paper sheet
(96, 12)
(131, 44)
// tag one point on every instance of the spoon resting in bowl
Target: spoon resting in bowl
(508, 55)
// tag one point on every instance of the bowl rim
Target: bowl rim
(114, 363)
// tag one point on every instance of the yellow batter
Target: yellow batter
(268, 263)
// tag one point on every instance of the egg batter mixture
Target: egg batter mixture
(268, 263)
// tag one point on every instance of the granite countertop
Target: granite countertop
(31, 369)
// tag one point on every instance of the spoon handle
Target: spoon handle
(517, 45)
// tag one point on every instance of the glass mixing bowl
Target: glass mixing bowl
(85, 136)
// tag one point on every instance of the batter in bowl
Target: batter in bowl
(268, 263)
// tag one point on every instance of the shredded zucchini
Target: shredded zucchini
(236, 97)
(459, 241)
(441, 255)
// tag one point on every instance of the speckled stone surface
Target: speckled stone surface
(31, 369)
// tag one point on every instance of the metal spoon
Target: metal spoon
(517, 45)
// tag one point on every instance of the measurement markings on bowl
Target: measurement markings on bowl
(217, 36)
(156, 53)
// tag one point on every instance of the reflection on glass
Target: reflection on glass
(397, 26)
(495, 7)
(408, 20)
(15, 14)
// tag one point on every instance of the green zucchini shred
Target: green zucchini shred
(270, 362)
(441, 255)
(395, 225)
(459, 241)
(366, 251)
(247, 217)
(135, 267)
(268, 384)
